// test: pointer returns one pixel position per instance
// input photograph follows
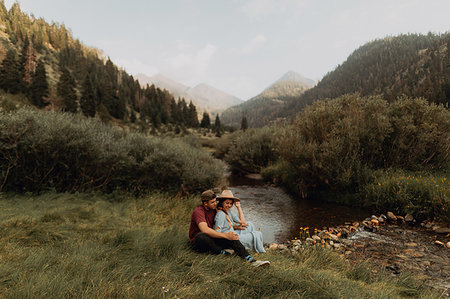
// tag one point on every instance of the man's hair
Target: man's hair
(208, 195)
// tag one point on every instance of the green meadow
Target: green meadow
(91, 245)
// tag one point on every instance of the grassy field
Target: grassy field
(93, 245)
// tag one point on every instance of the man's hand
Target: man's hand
(231, 236)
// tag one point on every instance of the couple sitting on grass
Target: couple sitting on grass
(216, 229)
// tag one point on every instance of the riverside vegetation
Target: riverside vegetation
(360, 150)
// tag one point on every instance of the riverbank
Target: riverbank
(390, 244)
(93, 245)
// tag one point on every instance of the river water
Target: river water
(280, 215)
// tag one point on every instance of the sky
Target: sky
(238, 46)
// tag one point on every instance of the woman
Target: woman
(226, 221)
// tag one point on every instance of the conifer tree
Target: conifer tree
(218, 126)
(9, 73)
(206, 122)
(88, 101)
(39, 86)
(244, 124)
(66, 90)
(193, 117)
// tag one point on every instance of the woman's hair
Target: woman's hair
(221, 201)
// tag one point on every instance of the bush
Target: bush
(252, 150)
(336, 144)
(47, 150)
(422, 195)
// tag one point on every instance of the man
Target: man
(205, 239)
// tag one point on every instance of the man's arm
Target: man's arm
(204, 228)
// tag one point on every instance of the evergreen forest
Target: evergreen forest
(44, 64)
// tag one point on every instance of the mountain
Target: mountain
(176, 88)
(414, 65)
(204, 96)
(48, 68)
(263, 108)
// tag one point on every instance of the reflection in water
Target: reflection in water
(280, 216)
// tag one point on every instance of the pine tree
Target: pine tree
(244, 124)
(39, 86)
(218, 126)
(9, 73)
(206, 122)
(66, 90)
(193, 117)
(88, 101)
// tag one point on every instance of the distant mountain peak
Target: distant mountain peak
(203, 95)
(296, 77)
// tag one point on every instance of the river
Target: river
(280, 215)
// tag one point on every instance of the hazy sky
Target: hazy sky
(238, 46)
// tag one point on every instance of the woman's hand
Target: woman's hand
(238, 227)
(244, 224)
(237, 204)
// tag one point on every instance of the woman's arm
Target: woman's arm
(241, 213)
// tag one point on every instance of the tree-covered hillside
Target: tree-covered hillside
(413, 65)
(266, 106)
(51, 69)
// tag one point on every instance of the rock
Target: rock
(334, 237)
(381, 220)
(273, 246)
(355, 224)
(348, 252)
(375, 222)
(337, 245)
(428, 225)
(409, 218)
(411, 244)
(447, 245)
(413, 253)
(297, 243)
(401, 218)
(309, 240)
(373, 217)
(391, 216)
(316, 238)
(282, 247)
(442, 230)
(426, 263)
(384, 217)
(437, 242)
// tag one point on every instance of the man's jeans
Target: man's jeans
(204, 243)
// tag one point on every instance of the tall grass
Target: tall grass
(420, 194)
(42, 150)
(91, 245)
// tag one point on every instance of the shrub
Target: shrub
(47, 150)
(335, 144)
(252, 150)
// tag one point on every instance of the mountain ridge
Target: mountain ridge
(203, 95)
(259, 109)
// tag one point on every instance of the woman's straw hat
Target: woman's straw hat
(227, 194)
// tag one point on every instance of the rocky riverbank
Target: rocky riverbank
(389, 243)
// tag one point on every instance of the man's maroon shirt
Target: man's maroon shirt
(200, 214)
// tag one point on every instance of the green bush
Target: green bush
(252, 150)
(336, 144)
(422, 195)
(47, 150)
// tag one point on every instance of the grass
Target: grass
(92, 245)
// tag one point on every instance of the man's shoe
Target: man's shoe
(256, 263)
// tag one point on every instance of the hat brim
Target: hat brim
(227, 197)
